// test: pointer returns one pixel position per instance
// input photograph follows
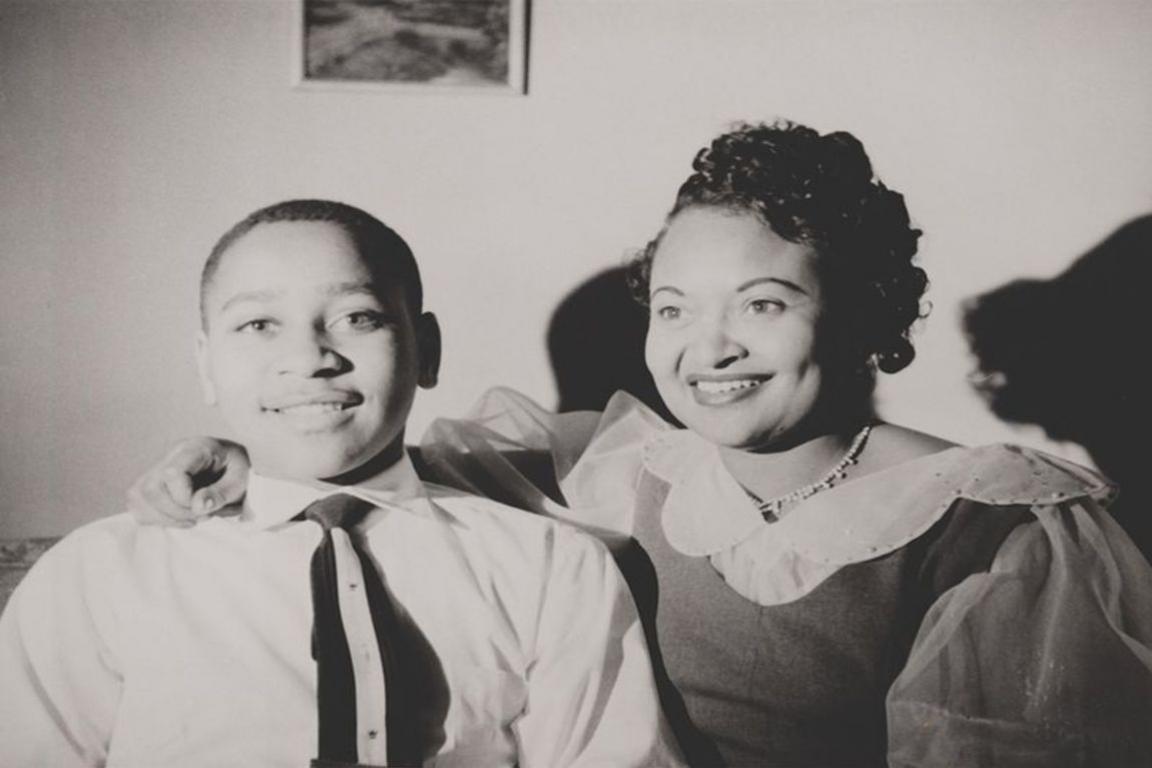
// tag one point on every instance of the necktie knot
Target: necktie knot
(339, 510)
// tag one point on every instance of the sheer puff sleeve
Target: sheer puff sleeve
(580, 467)
(1045, 660)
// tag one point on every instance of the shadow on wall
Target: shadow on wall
(596, 345)
(1072, 355)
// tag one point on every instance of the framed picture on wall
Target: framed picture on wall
(477, 45)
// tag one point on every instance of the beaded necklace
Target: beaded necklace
(770, 509)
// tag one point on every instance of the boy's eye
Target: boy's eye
(256, 325)
(764, 306)
(361, 320)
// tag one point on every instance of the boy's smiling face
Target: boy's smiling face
(313, 362)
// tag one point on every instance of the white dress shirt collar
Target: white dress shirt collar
(271, 501)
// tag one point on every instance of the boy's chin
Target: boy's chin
(340, 466)
(333, 468)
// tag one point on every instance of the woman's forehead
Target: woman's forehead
(718, 247)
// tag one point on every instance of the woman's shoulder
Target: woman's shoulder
(885, 509)
(995, 474)
(890, 445)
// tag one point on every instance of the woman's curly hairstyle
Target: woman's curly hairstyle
(818, 191)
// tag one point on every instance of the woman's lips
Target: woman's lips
(721, 390)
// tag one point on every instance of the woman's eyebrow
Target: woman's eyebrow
(778, 280)
(669, 289)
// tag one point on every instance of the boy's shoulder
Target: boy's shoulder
(17, 557)
(89, 561)
(95, 535)
(528, 559)
(478, 516)
(103, 548)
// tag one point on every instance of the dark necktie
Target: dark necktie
(335, 675)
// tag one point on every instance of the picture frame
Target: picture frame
(434, 46)
(437, 46)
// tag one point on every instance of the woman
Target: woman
(821, 588)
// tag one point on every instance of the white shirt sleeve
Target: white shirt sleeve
(592, 698)
(59, 682)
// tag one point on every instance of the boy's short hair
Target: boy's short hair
(384, 252)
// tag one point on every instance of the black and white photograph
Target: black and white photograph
(575, 383)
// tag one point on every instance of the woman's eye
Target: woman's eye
(669, 313)
(765, 306)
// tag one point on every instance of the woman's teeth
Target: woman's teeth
(723, 387)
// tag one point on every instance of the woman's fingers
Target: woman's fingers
(150, 501)
(169, 493)
(229, 487)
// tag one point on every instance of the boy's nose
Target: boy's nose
(311, 354)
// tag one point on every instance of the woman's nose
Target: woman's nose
(715, 346)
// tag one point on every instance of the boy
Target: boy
(497, 638)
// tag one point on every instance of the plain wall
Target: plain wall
(133, 133)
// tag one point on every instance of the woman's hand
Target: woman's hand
(199, 476)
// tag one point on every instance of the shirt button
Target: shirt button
(353, 585)
(373, 734)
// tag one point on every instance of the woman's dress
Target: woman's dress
(974, 607)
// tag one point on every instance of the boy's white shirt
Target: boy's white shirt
(131, 645)
(396, 486)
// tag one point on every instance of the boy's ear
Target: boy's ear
(206, 384)
(428, 349)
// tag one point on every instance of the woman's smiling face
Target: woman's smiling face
(733, 329)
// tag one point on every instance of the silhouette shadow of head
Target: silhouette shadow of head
(1068, 354)
(596, 345)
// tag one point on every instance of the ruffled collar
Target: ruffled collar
(706, 510)
(707, 513)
